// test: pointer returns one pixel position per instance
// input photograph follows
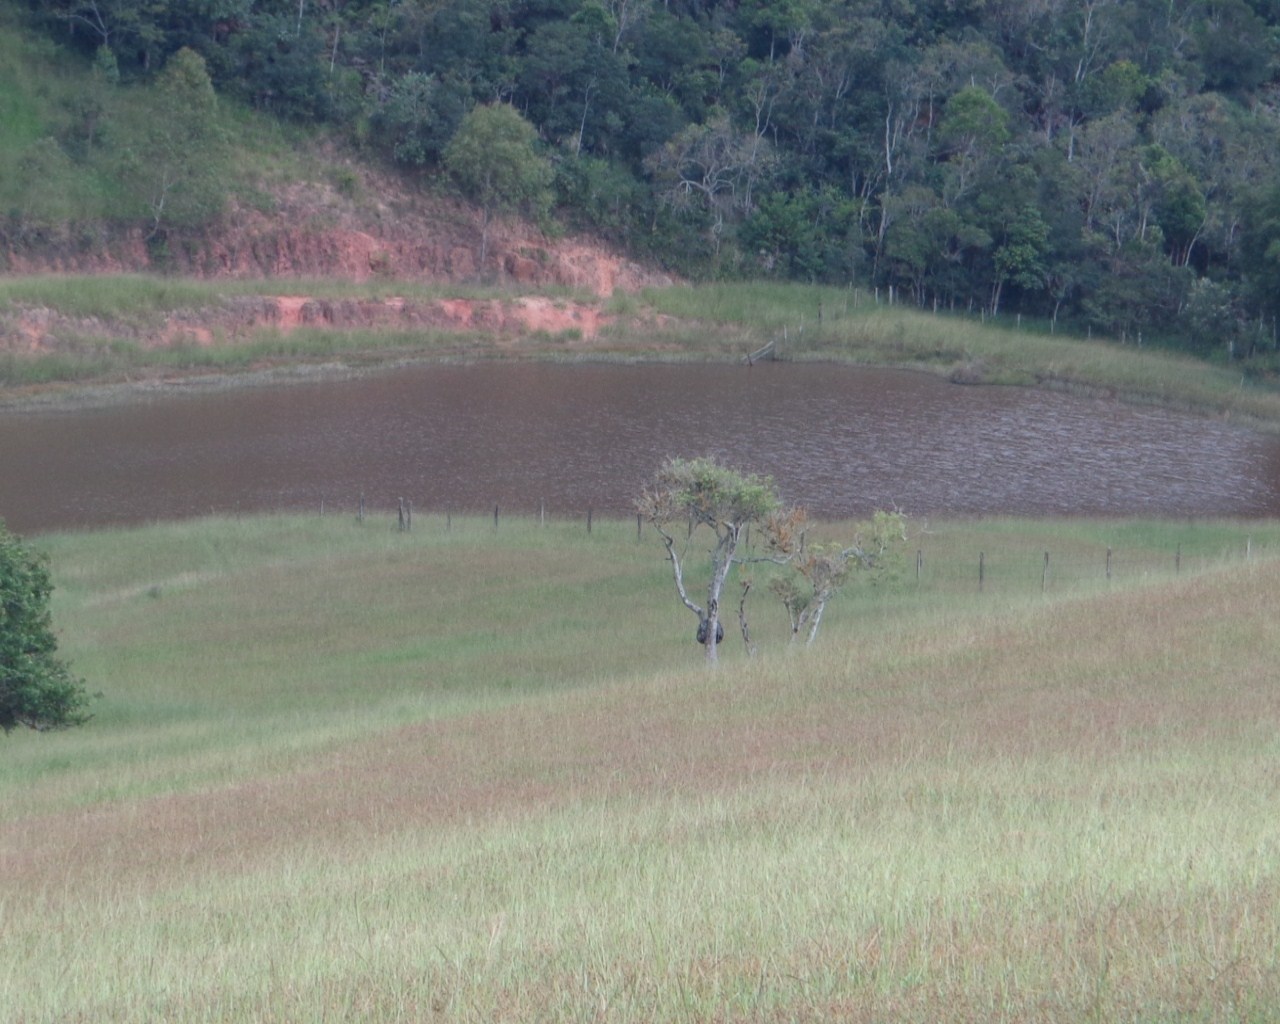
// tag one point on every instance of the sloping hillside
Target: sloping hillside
(377, 226)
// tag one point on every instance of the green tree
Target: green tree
(134, 27)
(37, 689)
(494, 159)
(708, 497)
(1236, 47)
(1260, 248)
(177, 158)
(712, 169)
(89, 108)
(819, 571)
(974, 127)
(1019, 259)
(410, 120)
(281, 64)
(783, 239)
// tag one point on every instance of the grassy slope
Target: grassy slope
(344, 772)
(832, 323)
(48, 94)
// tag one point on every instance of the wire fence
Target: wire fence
(951, 560)
(991, 568)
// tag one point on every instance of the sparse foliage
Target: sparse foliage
(704, 494)
(820, 570)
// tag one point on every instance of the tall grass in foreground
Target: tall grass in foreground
(344, 773)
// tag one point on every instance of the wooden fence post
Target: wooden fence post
(588, 519)
(402, 515)
(1108, 563)
(1177, 560)
(919, 563)
(495, 517)
(982, 568)
(1044, 575)
(639, 526)
(360, 512)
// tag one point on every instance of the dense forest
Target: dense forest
(1111, 163)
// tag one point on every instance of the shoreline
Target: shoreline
(74, 396)
(707, 324)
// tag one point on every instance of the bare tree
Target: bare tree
(714, 167)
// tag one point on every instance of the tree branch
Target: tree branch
(678, 572)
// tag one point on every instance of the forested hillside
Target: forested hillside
(1114, 163)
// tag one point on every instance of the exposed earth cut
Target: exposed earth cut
(380, 229)
(33, 331)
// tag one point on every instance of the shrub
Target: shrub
(36, 688)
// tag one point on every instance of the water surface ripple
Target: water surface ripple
(841, 440)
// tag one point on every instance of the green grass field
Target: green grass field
(848, 324)
(344, 773)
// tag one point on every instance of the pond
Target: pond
(841, 440)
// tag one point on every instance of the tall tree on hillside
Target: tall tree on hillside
(1261, 250)
(175, 159)
(714, 170)
(410, 119)
(494, 159)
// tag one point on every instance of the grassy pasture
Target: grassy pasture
(341, 772)
(849, 325)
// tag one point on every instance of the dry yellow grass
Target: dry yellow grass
(1029, 808)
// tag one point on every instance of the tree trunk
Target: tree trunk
(484, 239)
(721, 563)
(713, 627)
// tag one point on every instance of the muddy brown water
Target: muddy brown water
(838, 439)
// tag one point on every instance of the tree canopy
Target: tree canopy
(724, 501)
(1093, 160)
(494, 159)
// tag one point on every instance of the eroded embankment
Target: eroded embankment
(39, 331)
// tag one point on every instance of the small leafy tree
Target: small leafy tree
(36, 688)
(701, 494)
(820, 570)
(704, 494)
(494, 159)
